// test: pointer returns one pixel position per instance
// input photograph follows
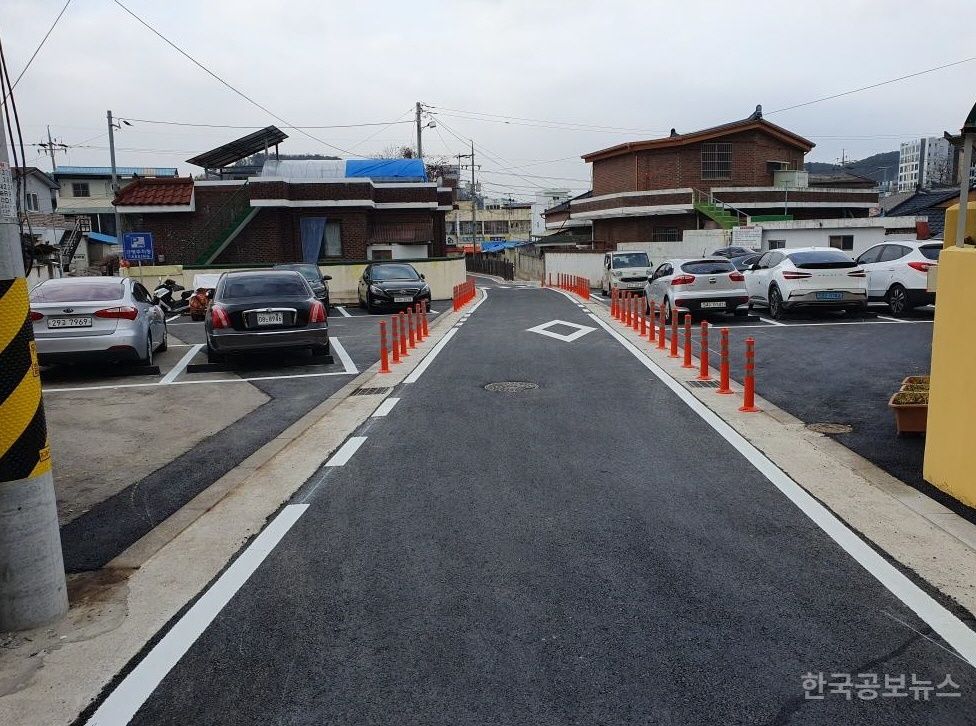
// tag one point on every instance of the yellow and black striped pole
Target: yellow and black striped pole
(32, 584)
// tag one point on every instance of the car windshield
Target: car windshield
(56, 291)
(309, 272)
(707, 267)
(931, 252)
(741, 263)
(634, 259)
(272, 286)
(394, 272)
(825, 259)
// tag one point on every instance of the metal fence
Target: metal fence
(489, 266)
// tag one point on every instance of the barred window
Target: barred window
(666, 234)
(496, 226)
(716, 161)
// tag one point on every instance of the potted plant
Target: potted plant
(911, 411)
(920, 380)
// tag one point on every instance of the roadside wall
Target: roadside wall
(695, 244)
(585, 264)
(442, 275)
(527, 266)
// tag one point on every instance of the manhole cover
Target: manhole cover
(830, 428)
(511, 387)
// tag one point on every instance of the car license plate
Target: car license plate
(402, 299)
(75, 322)
(270, 318)
(718, 304)
(829, 296)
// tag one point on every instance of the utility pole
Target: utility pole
(474, 205)
(32, 584)
(115, 176)
(420, 142)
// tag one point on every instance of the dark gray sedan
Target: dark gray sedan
(265, 309)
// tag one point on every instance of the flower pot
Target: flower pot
(917, 379)
(910, 418)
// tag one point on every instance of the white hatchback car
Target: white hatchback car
(708, 285)
(810, 277)
(898, 273)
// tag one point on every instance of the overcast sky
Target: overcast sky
(641, 66)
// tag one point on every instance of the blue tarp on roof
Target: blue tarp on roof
(499, 246)
(104, 239)
(387, 169)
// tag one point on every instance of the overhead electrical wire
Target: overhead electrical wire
(12, 119)
(37, 50)
(259, 126)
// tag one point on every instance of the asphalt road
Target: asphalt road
(587, 552)
(94, 538)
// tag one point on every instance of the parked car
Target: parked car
(96, 318)
(314, 277)
(625, 271)
(898, 273)
(262, 310)
(744, 262)
(732, 251)
(818, 277)
(391, 285)
(705, 285)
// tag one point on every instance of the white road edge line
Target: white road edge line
(178, 368)
(127, 698)
(343, 356)
(429, 358)
(384, 408)
(170, 320)
(894, 320)
(769, 321)
(343, 312)
(344, 453)
(953, 630)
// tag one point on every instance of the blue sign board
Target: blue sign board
(138, 247)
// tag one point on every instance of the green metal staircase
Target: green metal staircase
(224, 225)
(725, 215)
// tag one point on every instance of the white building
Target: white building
(923, 163)
(853, 236)
(544, 199)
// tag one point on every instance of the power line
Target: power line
(258, 126)
(381, 130)
(37, 50)
(582, 126)
(225, 83)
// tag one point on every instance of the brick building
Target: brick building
(721, 177)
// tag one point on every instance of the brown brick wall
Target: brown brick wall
(613, 175)
(608, 233)
(636, 201)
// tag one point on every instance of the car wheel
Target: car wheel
(147, 359)
(776, 310)
(362, 304)
(165, 344)
(370, 307)
(897, 299)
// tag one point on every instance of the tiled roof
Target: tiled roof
(160, 192)
(926, 203)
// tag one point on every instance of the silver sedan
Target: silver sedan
(96, 318)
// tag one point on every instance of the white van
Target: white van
(625, 271)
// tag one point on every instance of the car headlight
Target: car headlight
(616, 273)
(376, 290)
(425, 288)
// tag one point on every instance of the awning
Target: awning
(102, 239)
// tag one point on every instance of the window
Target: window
(777, 244)
(140, 293)
(870, 256)
(893, 252)
(842, 241)
(716, 161)
(321, 239)
(80, 189)
(382, 254)
(666, 234)
(496, 226)
(32, 204)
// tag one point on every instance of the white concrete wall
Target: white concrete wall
(585, 264)
(864, 237)
(400, 252)
(701, 242)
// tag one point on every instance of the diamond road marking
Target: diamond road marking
(581, 330)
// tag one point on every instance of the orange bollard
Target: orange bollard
(661, 332)
(638, 310)
(723, 370)
(423, 317)
(613, 303)
(643, 318)
(411, 340)
(396, 340)
(703, 374)
(418, 329)
(687, 361)
(749, 382)
(674, 334)
(384, 360)
(403, 334)
(627, 309)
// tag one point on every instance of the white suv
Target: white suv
(898, 273)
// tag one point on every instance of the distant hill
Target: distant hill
(872, 166)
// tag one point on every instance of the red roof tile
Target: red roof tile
(156, 192)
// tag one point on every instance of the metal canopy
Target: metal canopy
(239, 149)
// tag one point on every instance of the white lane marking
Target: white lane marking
(894, 320)
(184, 362)
(581, 330)
(122, 703)
(821, 325)
(953, 630)
(384, 408)
(170, 320)
(343, 356)
(768, 321)
(345, 452)
(342, 311)
(429, 358)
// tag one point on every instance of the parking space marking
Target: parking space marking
(956, 633)
(184, 362)
(342, 311)
(122, 703)
(894, 320)
(820, 325)
(769, 321)
(384, 408)
(170, 320)
(343, 356)
(345, 452)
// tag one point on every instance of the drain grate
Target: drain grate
(511, 387)
(830, 428)
(371, 391)
(702, 384)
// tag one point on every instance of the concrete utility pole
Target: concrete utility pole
(32, 585)
(474, 208)
(115, 176)
(968, 142)
(420, 141)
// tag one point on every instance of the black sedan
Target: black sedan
(391, 285)
(314, 276)
(265, 309)
(745, 262)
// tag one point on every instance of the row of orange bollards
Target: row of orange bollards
(572, 283)
(463, 294)
(644, 317)
(408, 328)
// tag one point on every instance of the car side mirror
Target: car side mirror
(326, 278)
(210, 294)
(422, 276)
